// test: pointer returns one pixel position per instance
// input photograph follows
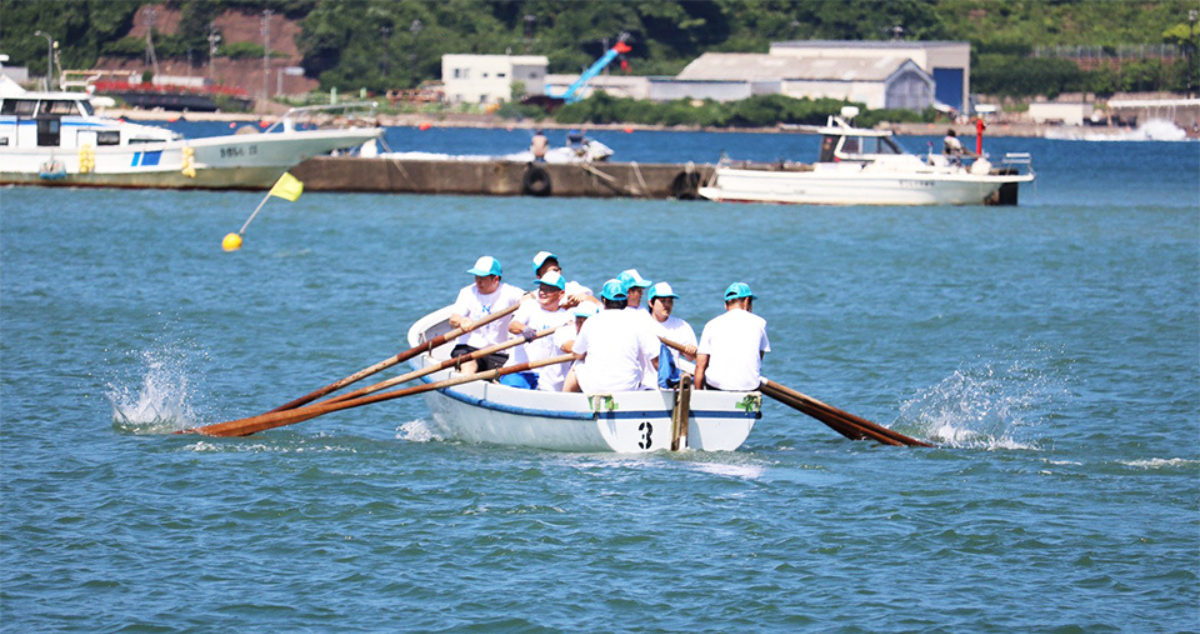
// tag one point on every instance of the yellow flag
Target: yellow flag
(288, 187)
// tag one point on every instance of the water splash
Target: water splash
(988, 405)
(1162, 463)
(1151, 130)
(160, 403)
(416, 431)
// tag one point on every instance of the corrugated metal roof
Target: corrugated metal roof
(889, 44)
(762, 67)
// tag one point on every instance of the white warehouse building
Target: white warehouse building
(949, 63)
(489, 79)
(884, 82)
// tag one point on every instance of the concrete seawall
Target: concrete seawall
(502, 178)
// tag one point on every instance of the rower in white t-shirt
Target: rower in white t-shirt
(564, 340)
(669, 327)
(574, 292)
(615, 345)
(635, 289)
(543, 312)
(732, 345)
(487, 295)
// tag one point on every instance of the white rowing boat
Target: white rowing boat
(624, 422)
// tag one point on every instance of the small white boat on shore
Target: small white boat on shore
(859, 166)
(624, 422)
(56, 138)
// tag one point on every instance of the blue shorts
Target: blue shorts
(522, 380)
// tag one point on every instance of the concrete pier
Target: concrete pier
(502, 178)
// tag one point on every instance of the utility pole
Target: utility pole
(266, 33)
(384, 32)
(416, 30)
(151, 19)
(529, 20)
(49, 58)
(213, 38)
(1191, 49)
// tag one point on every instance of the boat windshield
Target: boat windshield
(862, 146)
(60, 107)
(19, 107)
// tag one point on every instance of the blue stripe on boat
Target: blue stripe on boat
(613, 415)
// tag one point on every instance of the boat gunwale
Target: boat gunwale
(589, 415)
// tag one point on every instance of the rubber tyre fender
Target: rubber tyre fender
(536, 182)
(686, 186)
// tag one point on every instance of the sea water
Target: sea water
(1052, 350)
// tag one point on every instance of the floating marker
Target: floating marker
(232, 242)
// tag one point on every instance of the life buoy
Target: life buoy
(686, 186)
(536, 182)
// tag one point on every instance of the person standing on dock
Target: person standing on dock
(539, 146)
(732, 345)
(487, 295)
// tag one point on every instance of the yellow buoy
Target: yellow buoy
(232, 242)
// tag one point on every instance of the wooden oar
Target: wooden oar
(844, 423)
(453, 362)
(255, 424)
(399, 358)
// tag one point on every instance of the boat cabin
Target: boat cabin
(843, 142)
(66, 120)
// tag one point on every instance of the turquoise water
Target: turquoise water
(1052, 348)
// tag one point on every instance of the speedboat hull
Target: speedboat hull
(855, 186)
(241, 161)
(624, 422)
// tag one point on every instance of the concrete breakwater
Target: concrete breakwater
(503, 178)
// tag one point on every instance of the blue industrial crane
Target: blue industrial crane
(572, 93)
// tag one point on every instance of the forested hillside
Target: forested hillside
(392, 44)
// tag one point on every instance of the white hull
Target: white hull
(852, 185)
(247, 161)
(626, 422)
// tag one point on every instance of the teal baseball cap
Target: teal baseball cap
(738, 290)
(614, 291)
(552, 278)
(662, 289)
(630, 278)
(586, 309)
(540, 259)
(485, 266)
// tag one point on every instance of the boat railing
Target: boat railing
(349, 113)
(1020, 161)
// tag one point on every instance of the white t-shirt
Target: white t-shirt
(952, 145)
(649, 373)
(677, 330)
(734, 341)
(474, 306)
(552, 377)
(619, 346)
(532, 315)
(575, 288)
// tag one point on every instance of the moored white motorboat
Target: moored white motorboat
(859, 166)
(56, 138)
(624, 422)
